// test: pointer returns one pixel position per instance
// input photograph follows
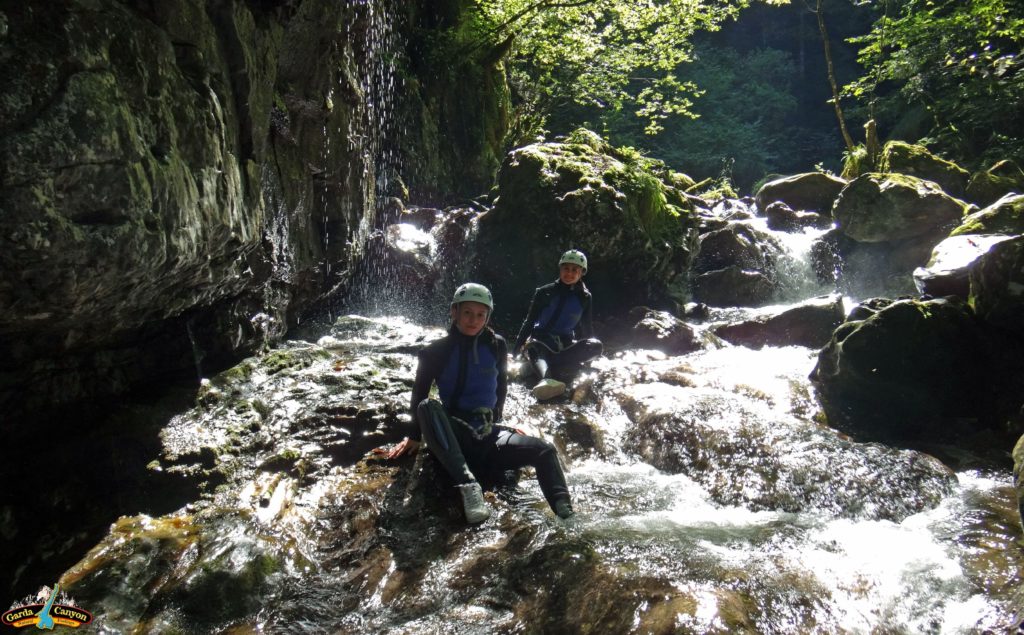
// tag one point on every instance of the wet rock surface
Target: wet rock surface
(299, 527)
(888, 373)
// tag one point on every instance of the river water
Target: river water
(710, 497)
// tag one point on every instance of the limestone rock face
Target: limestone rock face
(181, 180)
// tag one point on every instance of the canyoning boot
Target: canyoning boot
(548, 389)
(563, 509)
(473, 503)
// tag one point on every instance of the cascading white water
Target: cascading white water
(858, 575)
(378, 135)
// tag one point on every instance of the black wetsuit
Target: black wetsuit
(461, 430)
(558, 327)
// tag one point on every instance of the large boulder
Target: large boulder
(914, 371)
(811, 191)
(988, 186)
(810, 324)
(636, 229)
(736, 244)
(915, 160)
(997, 286)
(734, 286)
(1005, 216)
(878, 207)
(948, 271)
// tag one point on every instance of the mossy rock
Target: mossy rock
(1005, 216)
(912, 371)
(884, 207)
(988, 186)
(613, 204)
(916, 160)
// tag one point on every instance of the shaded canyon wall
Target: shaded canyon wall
(182, 180)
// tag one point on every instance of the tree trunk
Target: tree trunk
(820, 13)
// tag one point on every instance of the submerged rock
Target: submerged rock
(746, 457)
(304, 527)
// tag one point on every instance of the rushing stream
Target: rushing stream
(710, 499)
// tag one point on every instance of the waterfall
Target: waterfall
(381, 51)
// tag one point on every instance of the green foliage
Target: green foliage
(608, 54)
(856, 162)
(740, 128)
(961, 61)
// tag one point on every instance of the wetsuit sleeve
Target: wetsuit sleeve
(502, 355)
(531, 316)
(586, 325)
(425, 375)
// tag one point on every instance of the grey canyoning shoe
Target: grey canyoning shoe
(477, 510)
(548, 389)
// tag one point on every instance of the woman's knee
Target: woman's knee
(428, 408)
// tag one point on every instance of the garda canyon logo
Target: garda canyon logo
(45, 612)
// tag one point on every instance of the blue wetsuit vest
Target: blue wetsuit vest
(470, 373)
(470, 376)
(561, 315)
(558, 315)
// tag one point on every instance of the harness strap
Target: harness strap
(484, 415)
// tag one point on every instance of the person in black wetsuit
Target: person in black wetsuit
(557, 334)
(462, 429)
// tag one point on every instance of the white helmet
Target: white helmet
(575, 257)
(473, 292)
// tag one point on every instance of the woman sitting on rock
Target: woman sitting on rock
(461, 430)
(558, 314)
